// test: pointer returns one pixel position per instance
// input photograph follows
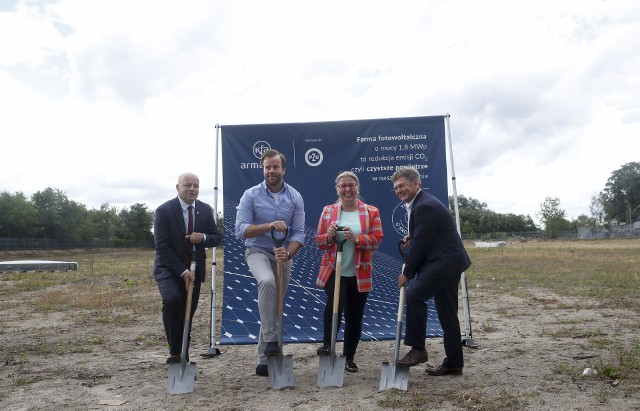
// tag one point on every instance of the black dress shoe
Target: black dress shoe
(413, 357)
(324, 351)
(351, 366)
(271, 349)
(173, 359)
(262, 370)
(442, 370)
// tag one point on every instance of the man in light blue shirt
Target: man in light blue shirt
(270, 204)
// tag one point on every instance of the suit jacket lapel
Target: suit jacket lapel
(412, 214)
(177, 213)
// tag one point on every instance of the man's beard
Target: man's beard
(273, 183)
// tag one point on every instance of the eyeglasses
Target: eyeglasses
(345, 186)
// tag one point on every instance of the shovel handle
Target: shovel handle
(276, 240)
(401, 297)
(280, 286)
(279, 241)
(338, 271)
(401, 304)
(336, 287)
(400, 249)
(187, 310)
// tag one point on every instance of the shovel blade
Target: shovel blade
(394, 376)
(179, 381)
(280, 371)
(331, 371)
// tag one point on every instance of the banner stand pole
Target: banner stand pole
(467, 335)
(213, 350)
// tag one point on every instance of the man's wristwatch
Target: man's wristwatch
(288, 255)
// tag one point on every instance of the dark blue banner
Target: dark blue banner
(316, 153)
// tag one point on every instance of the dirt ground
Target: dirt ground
(521, 347)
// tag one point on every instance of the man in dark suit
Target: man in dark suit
(435, 260)
(179, 241)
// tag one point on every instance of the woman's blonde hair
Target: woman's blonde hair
(347, 174)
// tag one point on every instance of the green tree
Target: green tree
(61, 218)
(517, 223)
(583, 220)
(597, 208)
(18, 217)
(135, 223)
(49, 205)
(553, 217)
(77, 224)
(622, 194)
(105, 221)
(475, 217)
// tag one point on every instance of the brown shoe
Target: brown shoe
(173, 359)
(413, 357)
(442, 370)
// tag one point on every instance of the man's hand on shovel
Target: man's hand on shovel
(189, 276)
(281, 253)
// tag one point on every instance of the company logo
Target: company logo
(400, 219)
(259, 147)
(313, 157)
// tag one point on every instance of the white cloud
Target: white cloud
(99, 96)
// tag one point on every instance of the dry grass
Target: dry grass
(116, 289)
(606, 272)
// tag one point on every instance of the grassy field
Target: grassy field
(607, 271)
(597, 274)
(115, 288)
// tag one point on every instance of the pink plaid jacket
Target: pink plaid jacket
(369, 241)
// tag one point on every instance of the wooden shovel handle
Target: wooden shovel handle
(187, 311)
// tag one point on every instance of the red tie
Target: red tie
(190, 225)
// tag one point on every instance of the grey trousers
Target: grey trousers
(262, 265)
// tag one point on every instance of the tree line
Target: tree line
(618, 203)
(50, 214)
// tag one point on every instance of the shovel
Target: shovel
(331, 371)
(280, 367)
(182, 376)
(394, 375)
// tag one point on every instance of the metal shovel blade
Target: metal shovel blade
(182, 376)
(181, 381)
(394, 376)
(280, 371)
(331, 371)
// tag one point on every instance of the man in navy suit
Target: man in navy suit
(435, 260)
(175, 249)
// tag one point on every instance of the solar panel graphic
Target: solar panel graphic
(316, 153)
(304, 301)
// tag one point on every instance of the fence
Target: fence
(25, 244)
(542, 235)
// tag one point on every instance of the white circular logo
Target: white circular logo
(259, 147)
(313, 157)
(400, 219)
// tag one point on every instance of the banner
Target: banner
(315, 154)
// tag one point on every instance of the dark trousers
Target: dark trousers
(444, 291)
(352, 303)
(174, 301)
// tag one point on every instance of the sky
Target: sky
(99, 98)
